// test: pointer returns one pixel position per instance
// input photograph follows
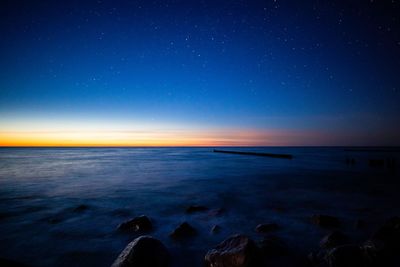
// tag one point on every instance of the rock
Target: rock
(236, 251)
(373, 252)
(141, 223)
(267, 227)
(196, 208)
(384, 245)
(346, 256)
(183, 231)
(334, 239)
(389, 234)
(144, 251)
(81, 208)
(316, 258)
(272, 246)
(216, 229)
(325, 221)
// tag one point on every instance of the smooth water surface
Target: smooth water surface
(40, 189)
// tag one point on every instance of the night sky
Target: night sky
(200, 72)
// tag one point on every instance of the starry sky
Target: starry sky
(188, 72)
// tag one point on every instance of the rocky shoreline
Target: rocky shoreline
(382, 248)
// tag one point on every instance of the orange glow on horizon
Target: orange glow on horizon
(133, 138)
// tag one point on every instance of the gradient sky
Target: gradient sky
(199, 72)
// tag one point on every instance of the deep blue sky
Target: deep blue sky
(328, 68)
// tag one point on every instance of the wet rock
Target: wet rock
(267, 227)
(325, 221)
(373, 253)
(384, 245)
(196, 208)
(389, 234)
(216, 229)
(236, 251)
(141, 223)
(184, 230)
(317, 258)
(346, 256)
(144, 251)
(272, 246)
(334, 239)
(81, 208)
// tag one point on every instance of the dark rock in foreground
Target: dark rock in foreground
(236, 251)
(141, 223)
(144, 251)
(334, 239)
(389, 234)
(196, 208)
(325, 221)
(384, 245)
(267, 227)
(346, 256)
(183, 231)
(349, 255)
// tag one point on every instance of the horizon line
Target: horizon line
(188, 146)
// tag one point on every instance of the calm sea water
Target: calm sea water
(41, 187)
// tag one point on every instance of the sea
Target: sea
(62, 206)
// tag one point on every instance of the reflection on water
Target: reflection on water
(40, 189)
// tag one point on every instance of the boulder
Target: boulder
(334, 239)
(389, 234)
(266, 227)
(236, 251)
(325, 221)
(184, 230)
(139, 224)
(373, 252)
(196, 208)
(383, 248)
(144, 251)
(317, 258)
(346, 256)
